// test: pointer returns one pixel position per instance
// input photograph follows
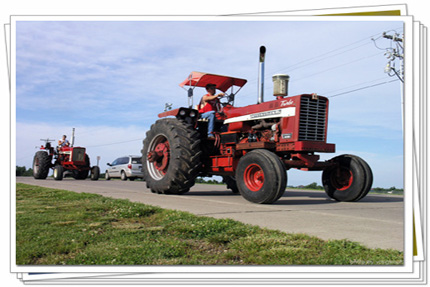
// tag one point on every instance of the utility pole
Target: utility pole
(393, 53)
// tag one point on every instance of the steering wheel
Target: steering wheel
(228, 100)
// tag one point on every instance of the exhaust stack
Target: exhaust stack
(73, 137)
(261, 76)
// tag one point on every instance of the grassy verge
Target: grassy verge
(55, 227)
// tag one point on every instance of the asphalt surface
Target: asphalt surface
(376, 221)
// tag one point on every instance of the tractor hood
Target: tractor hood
(285, 107)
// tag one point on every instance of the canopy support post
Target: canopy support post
(190, 98)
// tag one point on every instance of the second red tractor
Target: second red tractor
(73, 160)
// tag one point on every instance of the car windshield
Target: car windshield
(136, 160)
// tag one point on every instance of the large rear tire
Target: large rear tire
(41, 165)
(348, 180)
(261, 176)
(171, 156)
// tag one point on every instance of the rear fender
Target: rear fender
(183, 114)
(173, 113)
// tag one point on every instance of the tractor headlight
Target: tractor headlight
(182, 113)
(193, 114)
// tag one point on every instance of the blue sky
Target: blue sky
(110, 79)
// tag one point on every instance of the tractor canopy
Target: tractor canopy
(223, 83)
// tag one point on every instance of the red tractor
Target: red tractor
(72, 160)
(253, 146)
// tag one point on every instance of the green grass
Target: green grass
(58, 227)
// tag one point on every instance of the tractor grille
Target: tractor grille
(312, 119)
(78, 154)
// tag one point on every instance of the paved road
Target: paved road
(376, 221)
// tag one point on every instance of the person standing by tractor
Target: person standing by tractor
(63, 142)
(209, 105)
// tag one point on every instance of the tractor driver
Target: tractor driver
(208, 106)
(63, 142)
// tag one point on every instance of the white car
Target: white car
(126, 167)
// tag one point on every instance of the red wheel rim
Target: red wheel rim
(342, 178)
(158, 157)
(254, 177)
(162, 150)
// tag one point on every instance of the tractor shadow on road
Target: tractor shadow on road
(320, 197)
(212, 193)
(298, 197)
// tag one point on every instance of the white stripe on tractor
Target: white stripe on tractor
(278, 113)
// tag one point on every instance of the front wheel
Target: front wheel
(261, 176)
(350, 179)
(95, 173)
(58, 172)
(82, 173)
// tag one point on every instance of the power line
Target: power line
(338, 66)
(292, 67)
(362, 88)
(311, 61)
(359, 84)
(330, 54)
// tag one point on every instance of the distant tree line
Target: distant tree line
(23, 171)
(391, 190)
(313, 185)
(210, 181)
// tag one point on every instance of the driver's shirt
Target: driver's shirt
(63, 143)
(209, 106)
